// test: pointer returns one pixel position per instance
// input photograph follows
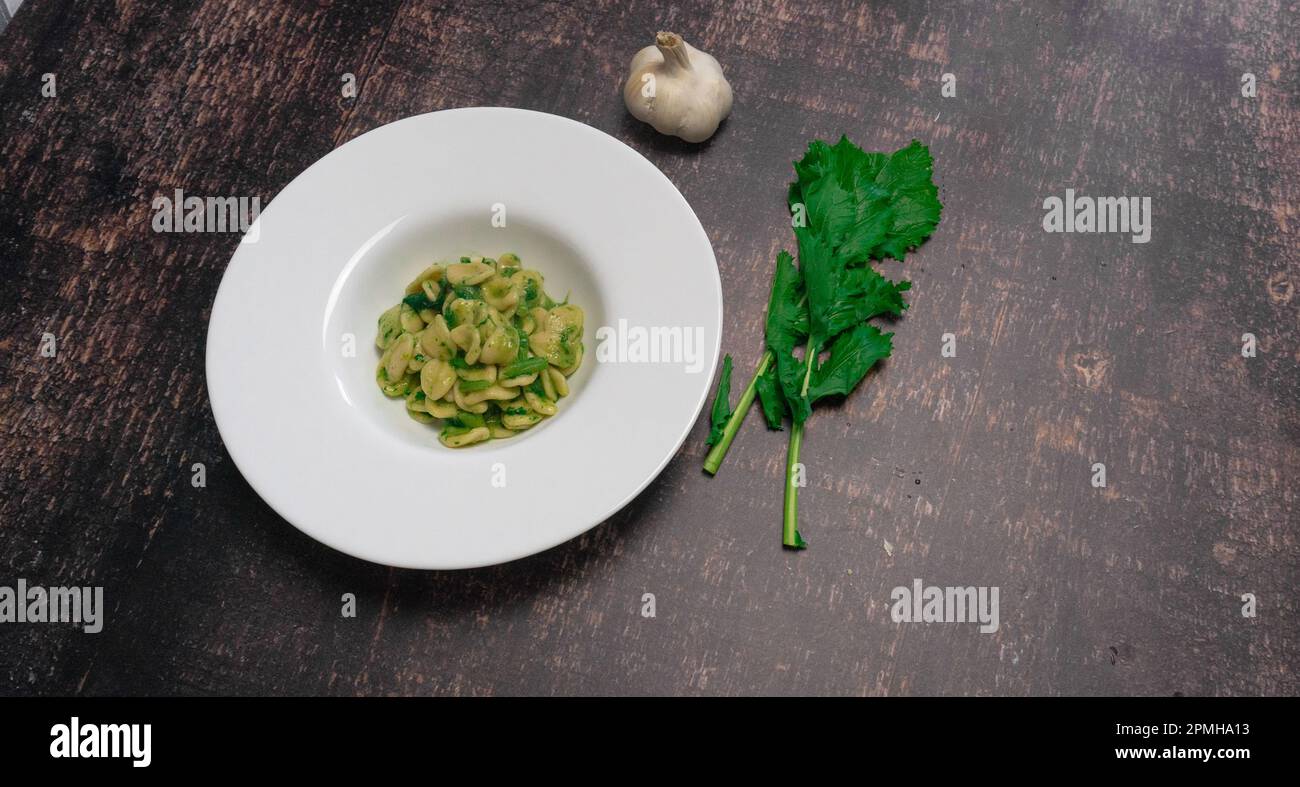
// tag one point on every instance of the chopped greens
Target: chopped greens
(420, 301)
(526, 366)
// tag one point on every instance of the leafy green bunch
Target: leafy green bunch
(849, 207)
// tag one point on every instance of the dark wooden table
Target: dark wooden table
(970, 470)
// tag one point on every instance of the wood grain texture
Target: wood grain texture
(973, 470)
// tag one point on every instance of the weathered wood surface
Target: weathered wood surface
(973, 470)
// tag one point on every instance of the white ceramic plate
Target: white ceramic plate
(303, 418)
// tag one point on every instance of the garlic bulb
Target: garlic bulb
(677, 89)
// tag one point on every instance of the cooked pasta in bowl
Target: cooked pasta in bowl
(479, 346)
(452, 308)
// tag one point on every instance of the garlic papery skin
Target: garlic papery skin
(677, 89)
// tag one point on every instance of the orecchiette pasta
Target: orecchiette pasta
(480, 346)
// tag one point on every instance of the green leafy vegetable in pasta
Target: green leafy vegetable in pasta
(850, 207)
(526, 366)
